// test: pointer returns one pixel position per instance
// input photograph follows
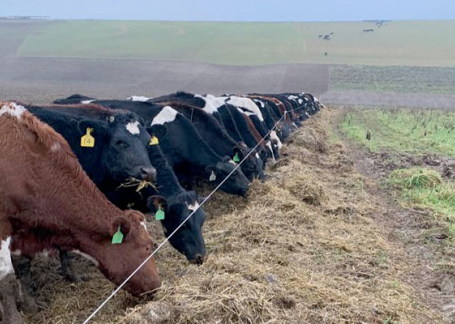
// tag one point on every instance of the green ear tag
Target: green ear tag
(118, 237)
(236, 158)
(159, 215)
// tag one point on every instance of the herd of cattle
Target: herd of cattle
(84, 175)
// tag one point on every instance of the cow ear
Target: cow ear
(154, 203)
(159, 131)
(238, 150)
(121, 224)
(98, 128)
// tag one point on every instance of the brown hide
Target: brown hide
(47, 201)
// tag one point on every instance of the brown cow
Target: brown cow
(47, 201)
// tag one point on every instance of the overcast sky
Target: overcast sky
(233, 10)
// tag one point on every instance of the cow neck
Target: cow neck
(201, 152)
(214, 135)
(66, 124)
(63, 196)
(166, 181)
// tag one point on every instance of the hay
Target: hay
(303, 248)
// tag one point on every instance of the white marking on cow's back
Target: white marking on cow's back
(257, 156)
(247, 104)
(13, 109)
(133, 128)
(194, 206)
(86, 102)
(144, 225)
(275, 137)
(138, 98)
(16, 252)
(6, 266)
(166, 115)
(232, 162)
(300, 101)
(260, 103)
(316, 99)
(86, 256)
(212, 103)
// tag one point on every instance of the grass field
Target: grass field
(403, 131)
(411, 43)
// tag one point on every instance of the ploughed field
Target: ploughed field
(309, 245)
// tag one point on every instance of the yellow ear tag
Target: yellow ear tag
(87, 140)
(154, 140)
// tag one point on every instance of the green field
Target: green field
(403, 131)
(415, 132)
(410, 43)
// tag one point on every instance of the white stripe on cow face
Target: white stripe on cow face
(13, 109)
(85, 102)
(269, 145)
(133, 128)
(193, 207)
(274, 136)
(138, 98)
(166, 115)
(6, 266)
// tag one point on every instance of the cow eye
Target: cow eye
(122, 144)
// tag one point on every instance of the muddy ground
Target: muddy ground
(321, 241)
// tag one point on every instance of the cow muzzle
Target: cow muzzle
(148, 174)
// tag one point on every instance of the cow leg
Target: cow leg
(22, 266)
(9, 288)
(67, 269)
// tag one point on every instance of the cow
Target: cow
(177, 204)
(218, 139)
(48, 201)
(119, 151)
(186, 151)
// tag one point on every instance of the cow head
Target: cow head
(124, 143)
(118, 261)
(188, 240)
(236, 184)
(252, 168)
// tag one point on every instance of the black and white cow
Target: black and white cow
(119, 151)
(219, 140)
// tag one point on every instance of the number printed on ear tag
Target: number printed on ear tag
(154, 140)
(118, 237)
(87, 140)
(212, 176)
(159, 215)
